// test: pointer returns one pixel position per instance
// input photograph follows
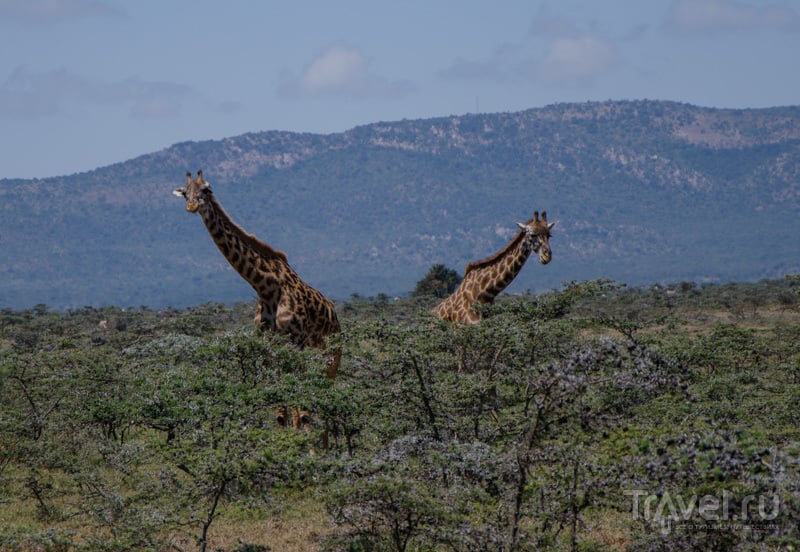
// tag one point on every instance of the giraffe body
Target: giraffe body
(485, 279)
(286, 304)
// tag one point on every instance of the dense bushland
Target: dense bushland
(596, 417)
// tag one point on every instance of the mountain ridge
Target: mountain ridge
(644, 191)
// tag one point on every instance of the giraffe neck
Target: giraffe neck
(254, 260)
(489, 279)
(483, 280)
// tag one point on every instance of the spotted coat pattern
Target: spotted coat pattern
(485, 279)
(286, 304)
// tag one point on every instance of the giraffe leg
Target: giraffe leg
(259, 315)
(263, 319)
(282, 416)
(301, 420)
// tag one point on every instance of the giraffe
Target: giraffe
(286, 304)
(483, 280)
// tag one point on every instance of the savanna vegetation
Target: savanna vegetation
(594, 417)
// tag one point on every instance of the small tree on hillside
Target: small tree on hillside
(440, 281)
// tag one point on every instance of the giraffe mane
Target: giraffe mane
(261, 247)
(251, 240)
(491, 259)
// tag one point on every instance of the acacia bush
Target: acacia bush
(534, 430)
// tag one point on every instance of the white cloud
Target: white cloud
(29, 95)
(337, 68)
(702, 16)
(575, 59)
(569, 54)
(341, 71)
(555, 50)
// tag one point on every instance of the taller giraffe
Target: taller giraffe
(483, 280)
(286, 304)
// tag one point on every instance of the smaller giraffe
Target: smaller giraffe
(483, 280)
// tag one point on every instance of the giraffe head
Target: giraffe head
(195, 192)
(537, 235)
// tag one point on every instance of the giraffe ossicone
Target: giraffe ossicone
(485, 279)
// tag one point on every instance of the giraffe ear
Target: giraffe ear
(179, 192)
(550, 225)
(521, 226)
(205, 184)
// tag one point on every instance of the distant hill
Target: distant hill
(642, 192)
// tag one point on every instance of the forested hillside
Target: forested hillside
(642, 191)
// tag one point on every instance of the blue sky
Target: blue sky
(87, 83)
